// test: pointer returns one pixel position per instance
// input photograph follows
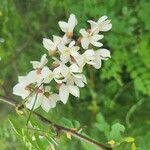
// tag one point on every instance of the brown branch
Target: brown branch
(56, 126)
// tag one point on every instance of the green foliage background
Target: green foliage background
(117, 93)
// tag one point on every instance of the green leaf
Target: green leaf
(16, 126)
(102, 125)
(115, 133)
(66, 122)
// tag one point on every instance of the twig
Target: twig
(59, 127)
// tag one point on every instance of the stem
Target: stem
(8, 101)
(58, 127)
(36, 95)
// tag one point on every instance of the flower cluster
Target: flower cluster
(48, 83)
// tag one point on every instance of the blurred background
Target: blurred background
(118, 92)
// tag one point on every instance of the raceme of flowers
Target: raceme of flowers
(54, 80)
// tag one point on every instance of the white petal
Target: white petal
(79, 82)
(57, 39)
(85, 43)
(46, 104)
(92, 23)
(47, 74)
(74, 68)
(72, 22)
(74, 53)
(31, 100)
(106, 26)
(19, 89)
(63, 25)
(65, 39)
(97, 44)
(48, 44)
(74, 90)
(35, 64)
(84, 79)
(63, 93)
(98, 64)
(97, 37)
(62, 47)
(84, 33)
(72, 43)
(64, 70)
(104, 53)
(101, 19)
(89, 53)
(44, 60)
(64, 58)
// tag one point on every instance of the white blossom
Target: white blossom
(87, 57)
(68, 27)
(62, 72)
(40, 64)
(49, 99)
(88, 38)
(65, 90)
(47, 75)
(101, 25)
(101, 54)
(34, 101)
(51, 46)
(67, 53)
(67, 65)
(80, 81)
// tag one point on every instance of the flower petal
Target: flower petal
(85, 43)
(48, 44)
(31, 100)
(72, 22)
(46, 104)
(74, 90)
(63, 25)
(97, 37)
(97, 44)
(102, 19)
(63, 93)
(83, 32)
(104, 53)
(74, 68)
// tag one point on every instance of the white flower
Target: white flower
(26, 88)
(47, 75)
(88, 38)
(67, 53)
(49, 101)
(40, 64)
(27, 84)
(20, 89)
(64, 91)
(51, 46)
(101, 54)
(68, 27)
(80, 82)
(34, 101)
(101, 25)
(67, 65)
(62, 72)
(42, 97)
(87, 57)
